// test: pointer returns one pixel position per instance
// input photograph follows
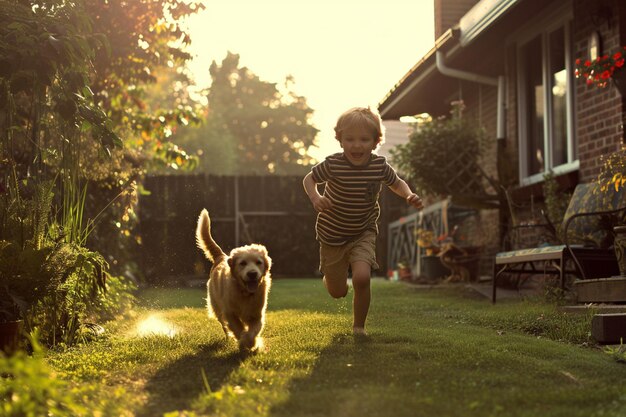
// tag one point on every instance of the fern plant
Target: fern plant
(44, 279)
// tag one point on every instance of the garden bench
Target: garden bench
(585, 249)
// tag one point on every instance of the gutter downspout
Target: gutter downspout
(470, 76)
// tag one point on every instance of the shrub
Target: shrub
(442, 156)
(29, 388)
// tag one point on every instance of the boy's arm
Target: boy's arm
(401, 188)
(320, 203)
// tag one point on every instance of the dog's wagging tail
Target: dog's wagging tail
(205, 241)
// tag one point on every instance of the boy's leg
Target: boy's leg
(334, 266)
(362, 260)
(361, 272)
(337, 288)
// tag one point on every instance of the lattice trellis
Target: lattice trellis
(402, 243)
(470, 182)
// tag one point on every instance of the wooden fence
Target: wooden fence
(272, 210)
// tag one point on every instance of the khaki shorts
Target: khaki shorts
(335, 260)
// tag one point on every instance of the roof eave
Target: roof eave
(417, 75)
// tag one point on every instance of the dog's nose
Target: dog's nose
(252, 275)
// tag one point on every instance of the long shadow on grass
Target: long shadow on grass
(352, 377)
(175, 386)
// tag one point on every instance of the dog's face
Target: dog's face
(249, 266)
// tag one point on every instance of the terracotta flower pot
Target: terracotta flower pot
(405, 274)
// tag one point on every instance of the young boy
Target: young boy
(348, 210)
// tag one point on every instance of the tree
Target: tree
(47, 117)
(75, 71)
(212, 143)
(271, 129)
(143, 37)
(207, 140)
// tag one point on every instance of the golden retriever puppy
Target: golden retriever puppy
(238, 286)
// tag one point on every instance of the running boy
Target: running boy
(348, 210)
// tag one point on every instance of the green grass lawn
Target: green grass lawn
(431, 352)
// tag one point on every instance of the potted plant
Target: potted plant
(431, 266)
(612, 176)
(404, 270)
(602, 70)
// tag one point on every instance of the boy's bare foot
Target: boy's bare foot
(359, 331)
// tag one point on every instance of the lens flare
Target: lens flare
(153, 325)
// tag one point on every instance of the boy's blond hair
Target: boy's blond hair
(362, 117)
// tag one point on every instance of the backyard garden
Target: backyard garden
(92, 111)
(441, 351)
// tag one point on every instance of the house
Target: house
(512, 62)
(396, 133)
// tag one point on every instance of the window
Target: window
(546, 119)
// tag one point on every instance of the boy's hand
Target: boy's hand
(414, 200)
(321, 203)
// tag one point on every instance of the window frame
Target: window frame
(558, 18)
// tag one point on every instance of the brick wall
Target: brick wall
(599, 111)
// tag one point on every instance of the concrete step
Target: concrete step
(601, 290)
(609, 328)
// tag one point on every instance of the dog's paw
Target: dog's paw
(247, 341)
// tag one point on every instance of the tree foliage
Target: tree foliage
(271, 128)
(45, 51)
(144, 36)
(212, 143)
(72, 72)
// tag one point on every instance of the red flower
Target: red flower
(600, 70)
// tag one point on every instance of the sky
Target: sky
(341, 53)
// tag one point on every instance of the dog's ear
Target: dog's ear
(267, 261)
(231, 261)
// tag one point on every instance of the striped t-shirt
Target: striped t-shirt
(353, 191)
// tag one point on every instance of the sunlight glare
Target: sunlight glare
(153, 325)
(350, 62)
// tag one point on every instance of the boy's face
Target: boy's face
(358, 144)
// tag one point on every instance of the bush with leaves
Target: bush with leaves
(46, 279)
(30, 388)
(442, 158)
(613, 170)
